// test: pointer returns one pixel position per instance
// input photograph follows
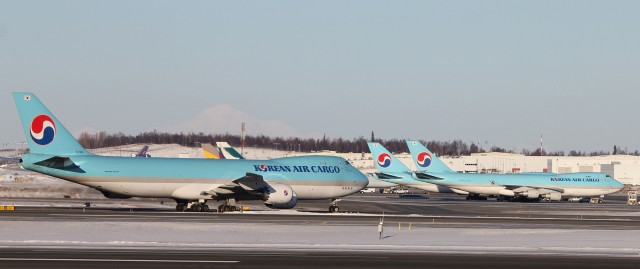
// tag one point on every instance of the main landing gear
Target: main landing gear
(333, 207)
(192, 207)
(473, 196)
(226, 208)
(228, 205)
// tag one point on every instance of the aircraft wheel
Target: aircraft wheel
(221, 208)
(334, 209)
(227, 208)
(196, 208)
(180, 207)
(205, 208)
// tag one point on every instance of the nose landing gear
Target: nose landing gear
(333, 207)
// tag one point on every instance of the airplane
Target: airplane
(392, 170)
(279, 183)
(513, 187)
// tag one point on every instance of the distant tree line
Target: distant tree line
(341, 145)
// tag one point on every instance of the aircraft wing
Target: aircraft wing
(248, 185)
(521, 188)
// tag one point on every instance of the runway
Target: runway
(430, 231)
(150, 258)
(438, 209)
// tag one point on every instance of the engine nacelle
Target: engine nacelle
(112, 195)
(532, 194)
(554, 196)
(280, 196)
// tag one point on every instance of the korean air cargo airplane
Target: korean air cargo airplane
(280, 183)
(511, 186)
(390, 169)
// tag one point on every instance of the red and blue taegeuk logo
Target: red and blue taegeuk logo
(384, 160)
(424, 159)
(43, 130)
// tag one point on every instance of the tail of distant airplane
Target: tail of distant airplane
(143, 152)
(228, 152)
(384, 161)
(210, 152)
(425, 160)
(44, 133)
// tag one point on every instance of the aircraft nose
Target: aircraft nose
(360, 180)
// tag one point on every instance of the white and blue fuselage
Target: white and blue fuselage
(311, 177)
(567, 185)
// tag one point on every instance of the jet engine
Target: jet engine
(532, 194)
(280, 196)
(554, 196)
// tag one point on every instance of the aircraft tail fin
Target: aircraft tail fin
(384, 161)
(44, 133)
(228, 152)
(142, 153)
(210, 152)
(425, 160)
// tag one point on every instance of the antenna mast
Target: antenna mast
(541, 145)
(242, 138)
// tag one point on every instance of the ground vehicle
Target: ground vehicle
(402, 191)
(368, 190)
(574, 199)
(632, 198)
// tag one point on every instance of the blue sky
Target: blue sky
(495, 71)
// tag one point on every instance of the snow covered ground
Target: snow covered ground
(319, 236)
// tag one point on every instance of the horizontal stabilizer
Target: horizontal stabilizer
(383, 176)
(424, 175)
(58, 162)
